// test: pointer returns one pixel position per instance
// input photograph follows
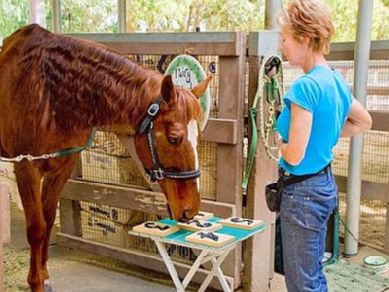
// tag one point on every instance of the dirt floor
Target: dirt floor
(73, 270)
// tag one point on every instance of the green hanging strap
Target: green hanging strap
(68, 151)
(273, 96)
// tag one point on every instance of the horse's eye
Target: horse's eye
(174, 140)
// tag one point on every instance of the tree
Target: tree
(13, 14)
(183, 15)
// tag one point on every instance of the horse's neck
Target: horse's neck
(106, 94)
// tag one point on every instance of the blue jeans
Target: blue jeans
(305, 210)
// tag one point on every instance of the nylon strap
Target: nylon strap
(273, 95)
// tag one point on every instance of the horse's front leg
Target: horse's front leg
(28, 180)
(51, 189)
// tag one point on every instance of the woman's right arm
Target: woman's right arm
(358, 120)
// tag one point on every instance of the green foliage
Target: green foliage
(182, 15)
(89, 16)
(13, 14)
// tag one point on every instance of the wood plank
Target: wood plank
(133, 199)
(345, 51)
(229, 158)
(142, 259)
(386, 243)
(5, 213)
(369, 190)
(380, 120)
(263, 43)
(259, 252)
(223, 131)
(198, 43)
(70, 217)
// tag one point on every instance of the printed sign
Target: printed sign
(187, 72)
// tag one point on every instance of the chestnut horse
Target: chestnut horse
(54, 90)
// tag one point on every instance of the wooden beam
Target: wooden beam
(380, 120)
(345, 51)
(369, 191)
(386, 242)
(198, 43)
(70, 217)
(259, 252)
(138, 258)
(263, 43)
(133, 199)
(222, 131)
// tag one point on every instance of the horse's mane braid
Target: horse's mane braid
(85, 82)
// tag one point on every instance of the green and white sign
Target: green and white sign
(187, 72)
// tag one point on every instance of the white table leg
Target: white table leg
(194, 268)
(220, 275)
(216, 270)
(170, 266)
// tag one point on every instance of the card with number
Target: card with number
(243, 223)
(196, 225)
(203, 215)
(155, 228)
(210, 238)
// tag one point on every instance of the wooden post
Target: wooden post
(37, 12)
(122, 15)
(259, 253)
(70, 210)
(229, 157)
(386, 244)
(5, 228)
(56, 10)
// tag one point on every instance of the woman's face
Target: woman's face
(294, 51)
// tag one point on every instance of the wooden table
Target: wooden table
(215, 255)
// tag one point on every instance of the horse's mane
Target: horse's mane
(81, 83)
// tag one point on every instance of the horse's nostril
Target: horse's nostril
(186, 214)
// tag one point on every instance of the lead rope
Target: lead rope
(274, 92)
(64, 152)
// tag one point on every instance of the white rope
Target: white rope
(29, 157)
(265, 127)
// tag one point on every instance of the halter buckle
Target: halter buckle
(153, 109)
(157, 174)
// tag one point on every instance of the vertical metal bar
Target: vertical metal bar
(37, 12)
(122, 19)
(272, 9)
(361, 57)
(56, 6)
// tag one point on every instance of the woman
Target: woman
(319, 108)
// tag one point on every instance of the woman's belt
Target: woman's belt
(289, 179)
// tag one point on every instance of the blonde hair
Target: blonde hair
(309, 18)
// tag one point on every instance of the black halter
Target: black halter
(158, 173)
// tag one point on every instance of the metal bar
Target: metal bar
(362, 50)
(37, 12)
(122, 15)
(56, 8)
(272, 9)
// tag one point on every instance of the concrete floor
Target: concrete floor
(73, 270)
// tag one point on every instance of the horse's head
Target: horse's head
(167, 146)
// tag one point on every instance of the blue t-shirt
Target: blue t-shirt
(325, 94)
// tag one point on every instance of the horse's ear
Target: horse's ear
(168, 91)
(200, 88)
